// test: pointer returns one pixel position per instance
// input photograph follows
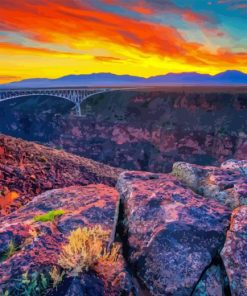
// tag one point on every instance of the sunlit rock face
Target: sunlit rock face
(140, 130)
(38, 244)
(173, 234)
(28, 169)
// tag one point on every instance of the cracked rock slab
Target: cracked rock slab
(173, 234)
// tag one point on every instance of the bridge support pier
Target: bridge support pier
(78, 108)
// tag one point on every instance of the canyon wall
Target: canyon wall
(141, 130)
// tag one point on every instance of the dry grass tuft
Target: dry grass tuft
(85, 246)
(109, 257)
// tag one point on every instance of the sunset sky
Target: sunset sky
(53, 38)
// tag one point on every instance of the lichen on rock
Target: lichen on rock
(173, 234)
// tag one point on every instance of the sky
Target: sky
(54, 38)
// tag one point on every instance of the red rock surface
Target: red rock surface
(39, 243)
(173, 234)
(30, 169)
(227, 184)
(234, 253)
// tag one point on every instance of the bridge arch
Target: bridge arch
(77, 105)
(76, 96)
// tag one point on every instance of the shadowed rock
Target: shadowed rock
(173, 234)
(213, 282)
(234, 253)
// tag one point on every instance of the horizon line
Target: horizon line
(111, 73)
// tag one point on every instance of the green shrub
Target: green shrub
(50, 216)
(30, 284)
(34, 284)
(5, 293)
(10, 251)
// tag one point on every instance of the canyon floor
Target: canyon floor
(180, 233)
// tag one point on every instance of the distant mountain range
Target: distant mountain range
(108, 79)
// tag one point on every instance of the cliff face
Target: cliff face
(141, 130)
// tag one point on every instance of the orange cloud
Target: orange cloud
(7, 78)
(61, 23)
(192, 17)
(136, 6)
(26, 50)
(143, 48)
(107, 59)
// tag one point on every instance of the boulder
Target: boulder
(227, 184)
(38, 244)
(172, 233)
(234, 253)
(191, 175)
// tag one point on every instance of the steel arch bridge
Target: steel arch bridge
(75, 95)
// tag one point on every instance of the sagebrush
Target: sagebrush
(85, 248)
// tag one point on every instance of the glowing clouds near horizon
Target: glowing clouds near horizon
(143, 38)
